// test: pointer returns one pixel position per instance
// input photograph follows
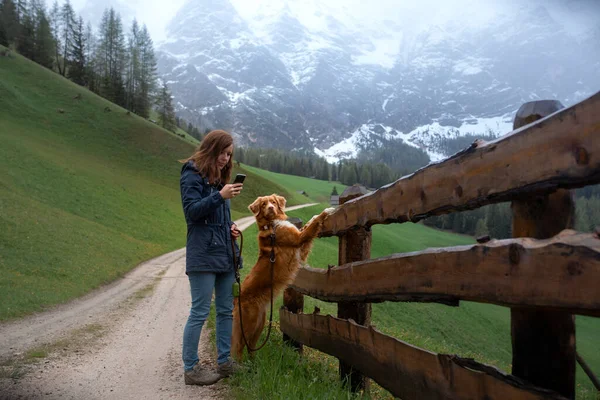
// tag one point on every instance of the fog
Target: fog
(576, 16)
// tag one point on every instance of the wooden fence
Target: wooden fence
(545, 274)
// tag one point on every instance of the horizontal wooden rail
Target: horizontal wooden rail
(558, 273)
(406, 371)
(559, 151)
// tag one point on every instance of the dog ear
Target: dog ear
(255, 207)
(280, 202)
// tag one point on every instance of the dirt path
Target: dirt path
(120, 342)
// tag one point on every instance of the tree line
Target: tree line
(307, 164)
(496, 219)
(118, 65)
(397, 155)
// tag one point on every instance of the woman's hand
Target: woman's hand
(231, 190)
(235, 233)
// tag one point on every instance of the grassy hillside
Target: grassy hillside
(85, 194)
(316, 190)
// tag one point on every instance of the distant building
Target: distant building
(334, 200)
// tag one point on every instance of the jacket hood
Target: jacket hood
(189, 166)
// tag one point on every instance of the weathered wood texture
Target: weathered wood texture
(294, 302)
(292, 299)
(560, 273)
(560, 151)
(406, 371)
(543, 341)
(543, 349)
(354, 245)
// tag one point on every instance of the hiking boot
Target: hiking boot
(228, 368)
(200, 376)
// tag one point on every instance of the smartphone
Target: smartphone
(239, 178)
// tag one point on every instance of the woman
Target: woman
(205, 195)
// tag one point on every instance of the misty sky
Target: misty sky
(156, 14)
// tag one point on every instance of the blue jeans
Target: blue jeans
(201, 285)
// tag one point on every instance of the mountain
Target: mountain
(335, 79)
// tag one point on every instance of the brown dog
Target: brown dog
(292, 246)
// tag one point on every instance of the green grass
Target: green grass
(479, 331)
(316, 191)
(178, 131)
(85, 194)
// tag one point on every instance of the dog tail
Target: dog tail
(305, 251)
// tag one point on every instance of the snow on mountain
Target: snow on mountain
(337, 76)
(425, 137)
(428, 137)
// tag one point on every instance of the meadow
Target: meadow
(88, 191)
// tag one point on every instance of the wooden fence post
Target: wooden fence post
(354, 245)
(293, 300)
(543, 341)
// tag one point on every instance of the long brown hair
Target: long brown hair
(205, 157)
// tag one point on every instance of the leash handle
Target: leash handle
(236, 266)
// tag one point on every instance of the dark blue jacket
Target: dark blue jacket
(208, 217)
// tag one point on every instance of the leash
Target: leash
(236, 267)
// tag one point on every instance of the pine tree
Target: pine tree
(67, 21)
(90, 57)
(366, 177)
(54, 19)
(26, 38)
(324, 171)
(348, 175)
(111, 57)
(492, 220)
(481, 228)
(3, 34)
(498, 220)
(44, 43)
(21, 7)
(166, 113)
(334, 175)
(9, 25)
(43, 39)
(147, 77)
(196, 133)
(457, 222)
(132, 75)
(77, 60)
